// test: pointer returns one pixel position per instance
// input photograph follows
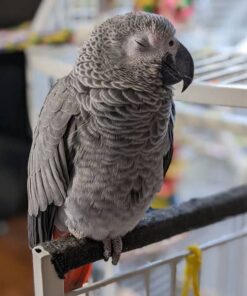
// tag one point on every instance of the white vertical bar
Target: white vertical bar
(87, 293)
(173, 267)
(147, 282)
(108, 273)
(44, 10)
(46, 281)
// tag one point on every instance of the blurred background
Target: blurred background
(39, 41)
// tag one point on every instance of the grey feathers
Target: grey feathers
(97, 155)
(48, 173)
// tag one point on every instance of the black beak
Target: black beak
(180, 67)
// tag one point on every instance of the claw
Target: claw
(117, 250)
(107, 249)
(113, 247)
(107, 255)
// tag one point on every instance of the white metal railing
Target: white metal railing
(48, 284)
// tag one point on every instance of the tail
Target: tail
(77, 277)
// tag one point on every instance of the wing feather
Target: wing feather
(48, 173)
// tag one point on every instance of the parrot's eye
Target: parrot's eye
(140, 43)
(171, 43)
(137, 45)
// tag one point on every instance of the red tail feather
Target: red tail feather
(75, 278)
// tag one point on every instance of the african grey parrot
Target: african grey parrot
(104, 137)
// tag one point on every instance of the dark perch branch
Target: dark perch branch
(157, 225)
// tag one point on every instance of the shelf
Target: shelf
(220, 78)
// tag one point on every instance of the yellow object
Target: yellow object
(142, 3)
(58, 37)
(192, 271)
(160, 203)
(175, 168)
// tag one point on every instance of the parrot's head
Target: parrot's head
(140, 49)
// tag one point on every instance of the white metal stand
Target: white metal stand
(46, 281)
(48, 284)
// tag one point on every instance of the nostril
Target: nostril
(171, 43)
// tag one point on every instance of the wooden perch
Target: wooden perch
(157, 225)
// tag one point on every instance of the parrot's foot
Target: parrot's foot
(113, 247)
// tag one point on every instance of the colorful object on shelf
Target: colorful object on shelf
(192, 271)
(175, 10)
(21, 37)
(165, 197)
(146, 5)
